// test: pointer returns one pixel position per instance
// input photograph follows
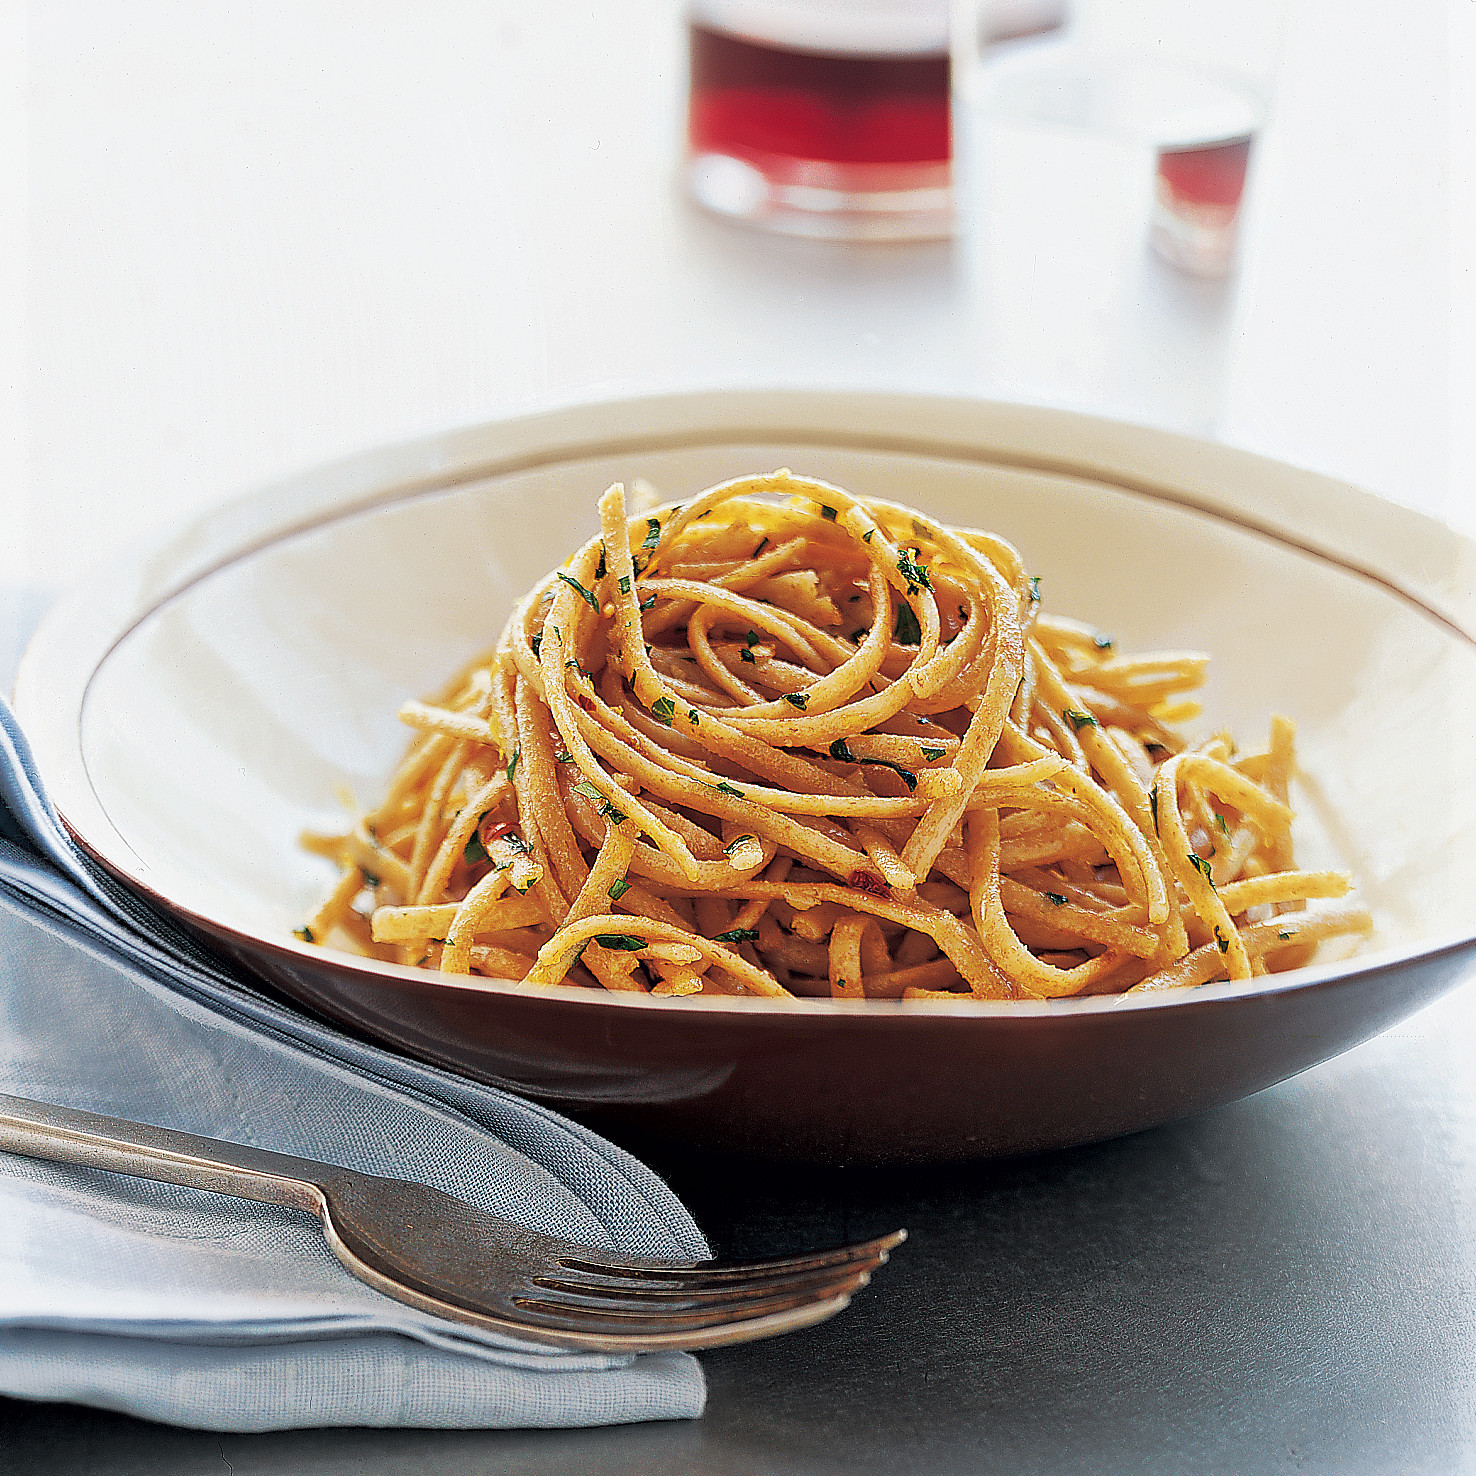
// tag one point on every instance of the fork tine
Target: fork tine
(611, 1263)
(657, 1288)
(748, 1301)
(572, 1313)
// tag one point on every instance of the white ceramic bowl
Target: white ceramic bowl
(194, 709)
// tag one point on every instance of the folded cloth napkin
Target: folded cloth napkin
(197, 1309)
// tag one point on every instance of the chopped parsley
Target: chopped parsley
(723, 787)
(1055, 898)
(1222, 940)
(737, 935)
(620, 942)
(1286, 937)
(653, 533)
(841, 750)
(663, 710)
(306, 934)
(1153, 805)
(1203, 868)
(733, 845)
(512, 763)
(601, 571)
(693, 716)
(618, 888)
(800, 700)
(1035, 589)
(370, 880)
(914, 573)
(584, 594)
(585, 788)
(905, 775)
(648, 604)
(536, 641)
(1103, 643)
(906, 632)
(1078, 719)
(930, 754)
(828, 513)
(625, 584)
(474, 852)
(759, 549)
(866, 536)
(563, 757)
(1221, 822)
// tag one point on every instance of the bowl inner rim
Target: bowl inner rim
(83, 631)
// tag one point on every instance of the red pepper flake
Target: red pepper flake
(868, 881)
(492, 829)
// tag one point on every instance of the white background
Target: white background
(258, 236)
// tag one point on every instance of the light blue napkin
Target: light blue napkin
(200, 1310)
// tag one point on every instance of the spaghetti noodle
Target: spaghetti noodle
(783, 740)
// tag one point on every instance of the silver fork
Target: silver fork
(425, 1247)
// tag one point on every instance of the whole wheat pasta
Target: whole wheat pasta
(781, 739)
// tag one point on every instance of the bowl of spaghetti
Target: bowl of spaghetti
(982, 780)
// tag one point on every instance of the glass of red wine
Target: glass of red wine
(823, 118)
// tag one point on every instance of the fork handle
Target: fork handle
(90, 1140)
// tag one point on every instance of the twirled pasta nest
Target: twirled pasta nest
(783, 740)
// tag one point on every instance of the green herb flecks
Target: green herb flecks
(620, 942)
(906, 632)
(583, 593)
(931, 755)
(1222, 941)
(663, 710)
(763, 542)
(585, 788)
(648, 604)
(734, 844)
(800, 700)
(1035, 589)
(905, 775)
(305, 933)
(1103, 643)
(737, 935)
(828, 513)
(914, 573)
(1054, 898)
(618, 888)
(512, 763)
(1202, 867)
(840, 750)
(625, 584)
(1078, 719)
(723, 787)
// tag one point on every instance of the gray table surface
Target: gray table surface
(1284, 1284)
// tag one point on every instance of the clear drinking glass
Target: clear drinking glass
(823, 117)
(1102, 163)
